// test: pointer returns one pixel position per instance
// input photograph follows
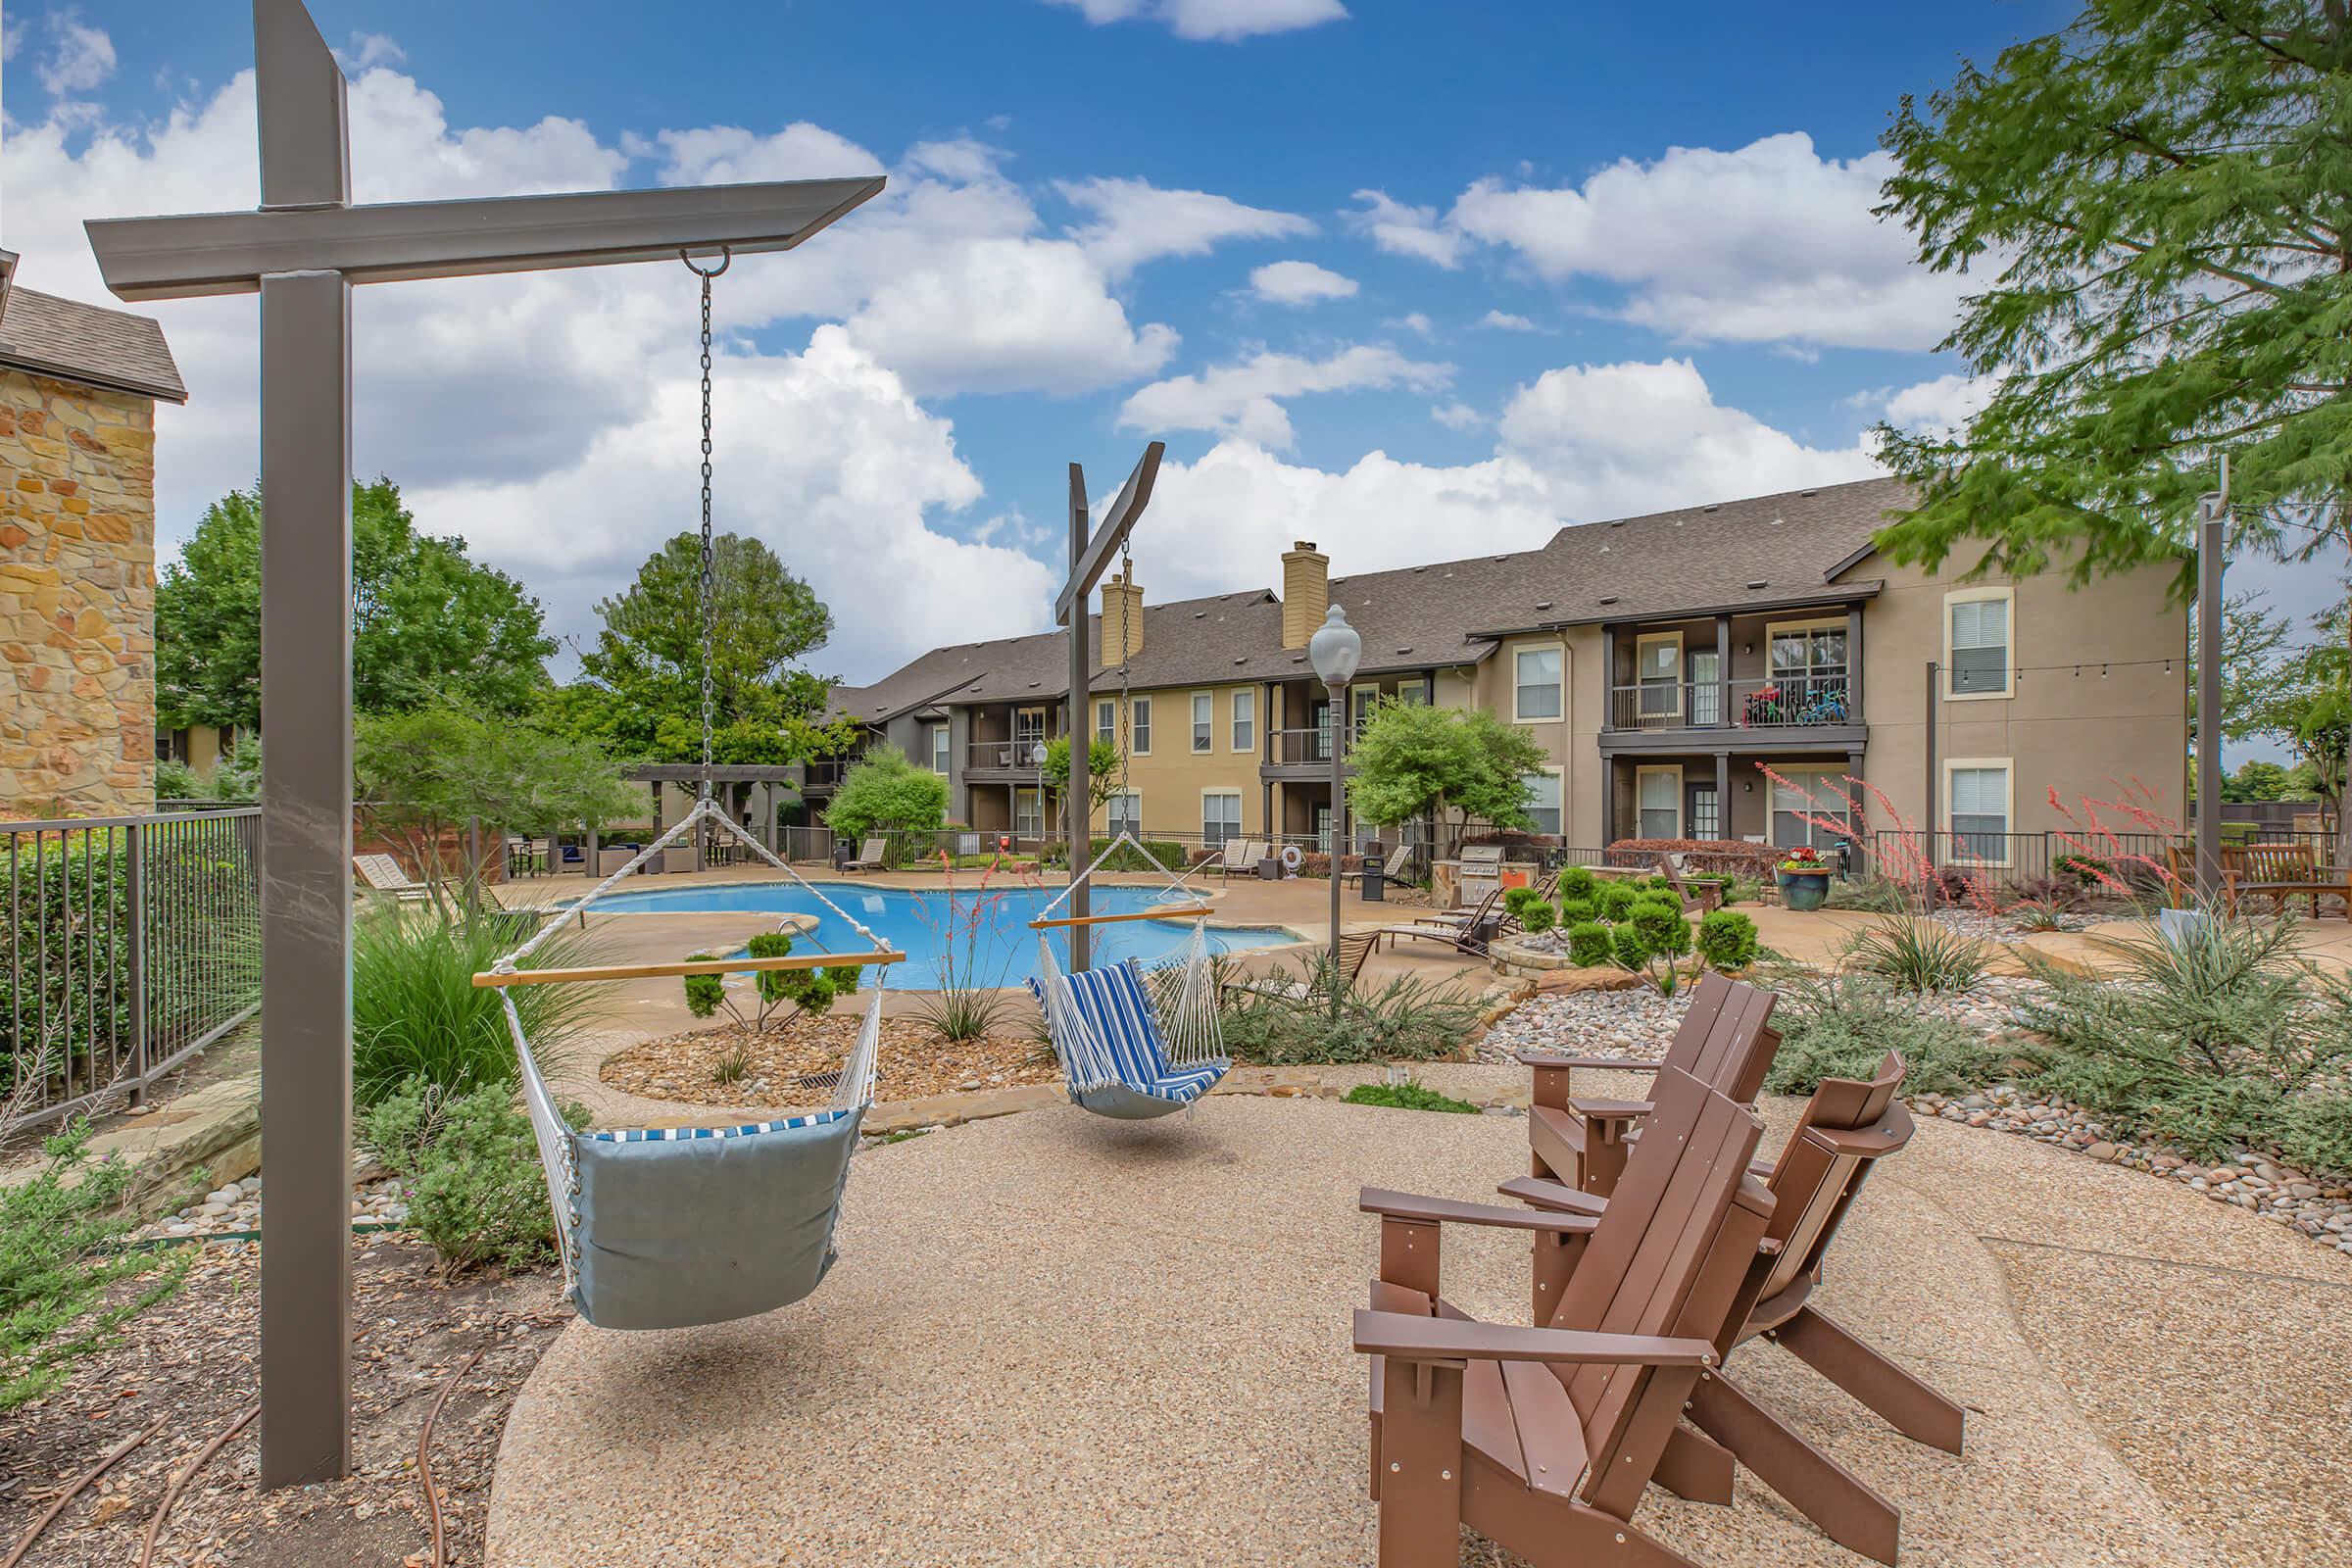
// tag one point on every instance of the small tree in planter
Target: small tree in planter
(812, 991)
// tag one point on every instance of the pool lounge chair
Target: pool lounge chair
(383, 875)
(1464, 930)
(1239, 855)
(1354, 951)
(872, 856)
(1392, 870)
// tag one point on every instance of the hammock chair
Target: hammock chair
(1133, 1044)
(670, 1227)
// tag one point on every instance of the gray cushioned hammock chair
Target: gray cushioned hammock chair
(668, 1227)
(1132, 1045)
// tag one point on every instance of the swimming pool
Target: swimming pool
(927, 924)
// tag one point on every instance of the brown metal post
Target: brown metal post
(2209, 697)
(305, 878)
(1076, 801)
(134, 891)
(1934, 677)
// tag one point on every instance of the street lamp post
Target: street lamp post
(1334, 650)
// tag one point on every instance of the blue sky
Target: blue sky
(1410, 280)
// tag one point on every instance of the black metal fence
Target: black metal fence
(131, 942)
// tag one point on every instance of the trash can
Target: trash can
(1376, 889)
(1269, 869)
(841, 853)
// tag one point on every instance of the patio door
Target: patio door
(1028, 734)
(1706, 671)
(1702, 812)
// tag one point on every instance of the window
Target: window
(939, 748)
(1414, 695)
(1544, 801)
(1220, 817)
(1811, 792)
(1658, 802)
(1659, 667)
(1977, 634)
(1977, 810)
(1138, 726)
(1126, 814)
(1028, 734)
(1706, 688)
(1205, 720)
(1244, 720)
(1029, 814)
(1536, 693)
(1107, 722)
(1706, 812)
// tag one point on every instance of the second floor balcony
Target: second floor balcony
(1774, 705)
(1017, 753)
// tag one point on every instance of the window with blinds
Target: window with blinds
(1978, 812)
(1980, 638)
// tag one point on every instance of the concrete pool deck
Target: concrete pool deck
(1053, 1339)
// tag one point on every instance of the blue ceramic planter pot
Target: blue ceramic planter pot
(1805, 890)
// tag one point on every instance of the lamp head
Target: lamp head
(1336, 649)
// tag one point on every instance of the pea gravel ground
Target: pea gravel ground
(1052, 1339)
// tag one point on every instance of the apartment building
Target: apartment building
(1664, 663)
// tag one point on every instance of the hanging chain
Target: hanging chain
(1126, 727)
(706, 587)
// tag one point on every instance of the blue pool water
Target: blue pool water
(987, 929)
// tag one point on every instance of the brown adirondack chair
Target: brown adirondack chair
(1847, 1127)
(1543, 1438)
(1724, 1041)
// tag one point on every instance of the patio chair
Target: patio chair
(1463, 930)
(1544, 1439)
(1392, 869)
(1725, 1041)
(1354, 951)
(1237, 855)
(2281, 873)
(1846, 1128)
(383, 874)
(1701, 896)
(872, 856)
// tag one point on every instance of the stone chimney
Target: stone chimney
(1122, 618)
(1306, 592)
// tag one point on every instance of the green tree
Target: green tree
(1416, 760)
(887, 793)
(642, 685)
(2158, 193)
(2256, 780)
(1102, 771)
(421, 776)
(428, 624)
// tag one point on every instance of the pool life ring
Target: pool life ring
(1292, 856)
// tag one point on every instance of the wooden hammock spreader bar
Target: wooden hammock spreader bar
(1177, 913)
(650, 971)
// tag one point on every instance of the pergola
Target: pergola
(302, 251)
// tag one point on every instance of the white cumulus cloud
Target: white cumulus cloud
(1242, 398)
(1136, 221)
(1404, 231)
(80, 56)
(1226, 21)
(1505, 321)
(1943, 405)
(1299, 283)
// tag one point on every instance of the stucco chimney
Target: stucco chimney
(1306, 592)
(1122, 618)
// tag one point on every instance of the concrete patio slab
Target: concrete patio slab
(1053, 1339)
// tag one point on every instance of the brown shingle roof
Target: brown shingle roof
(87, 343)
(1763, 553)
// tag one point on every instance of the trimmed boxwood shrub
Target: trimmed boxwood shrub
(1664, 933)
(1538, 917)
(1727, 940)
(1519, 900)
(1577, 882)
(1626, 942)
(1576, 912)
(1588, 944)
(1615, 899)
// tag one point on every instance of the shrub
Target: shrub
(1518, 900)
(416, 1011)
(1664, 932)
(1920, 954)
(1407, 1097)
(60, 1261)
(1576, 912)
(1727, 940)
(1588, 944)
(1577, 882)
(1739, 888)
(812, 991)
(1872, 894)
(2222, 1039)
(887, 793)
(1628, 948)
(1614, 899)
(1407, 1020)
(1538, 917)
(1842, 1025)
(476, 1192)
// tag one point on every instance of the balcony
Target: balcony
(1302, 753)
(822, 775)
(1004, 757)
(1815, 710)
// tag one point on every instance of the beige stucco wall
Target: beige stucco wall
(1172, 777)
(2122, 719)
(76, 599)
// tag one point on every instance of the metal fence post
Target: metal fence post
(134, 878)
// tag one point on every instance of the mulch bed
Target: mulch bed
(193, 1359)
(791, 1063)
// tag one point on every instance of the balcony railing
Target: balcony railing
(1311, 744)
(825, 773)
(1019, 751)
(1798, 702)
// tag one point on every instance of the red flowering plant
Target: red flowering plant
(967, 998)
(2120, 844)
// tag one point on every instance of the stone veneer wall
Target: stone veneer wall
(76, 599)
